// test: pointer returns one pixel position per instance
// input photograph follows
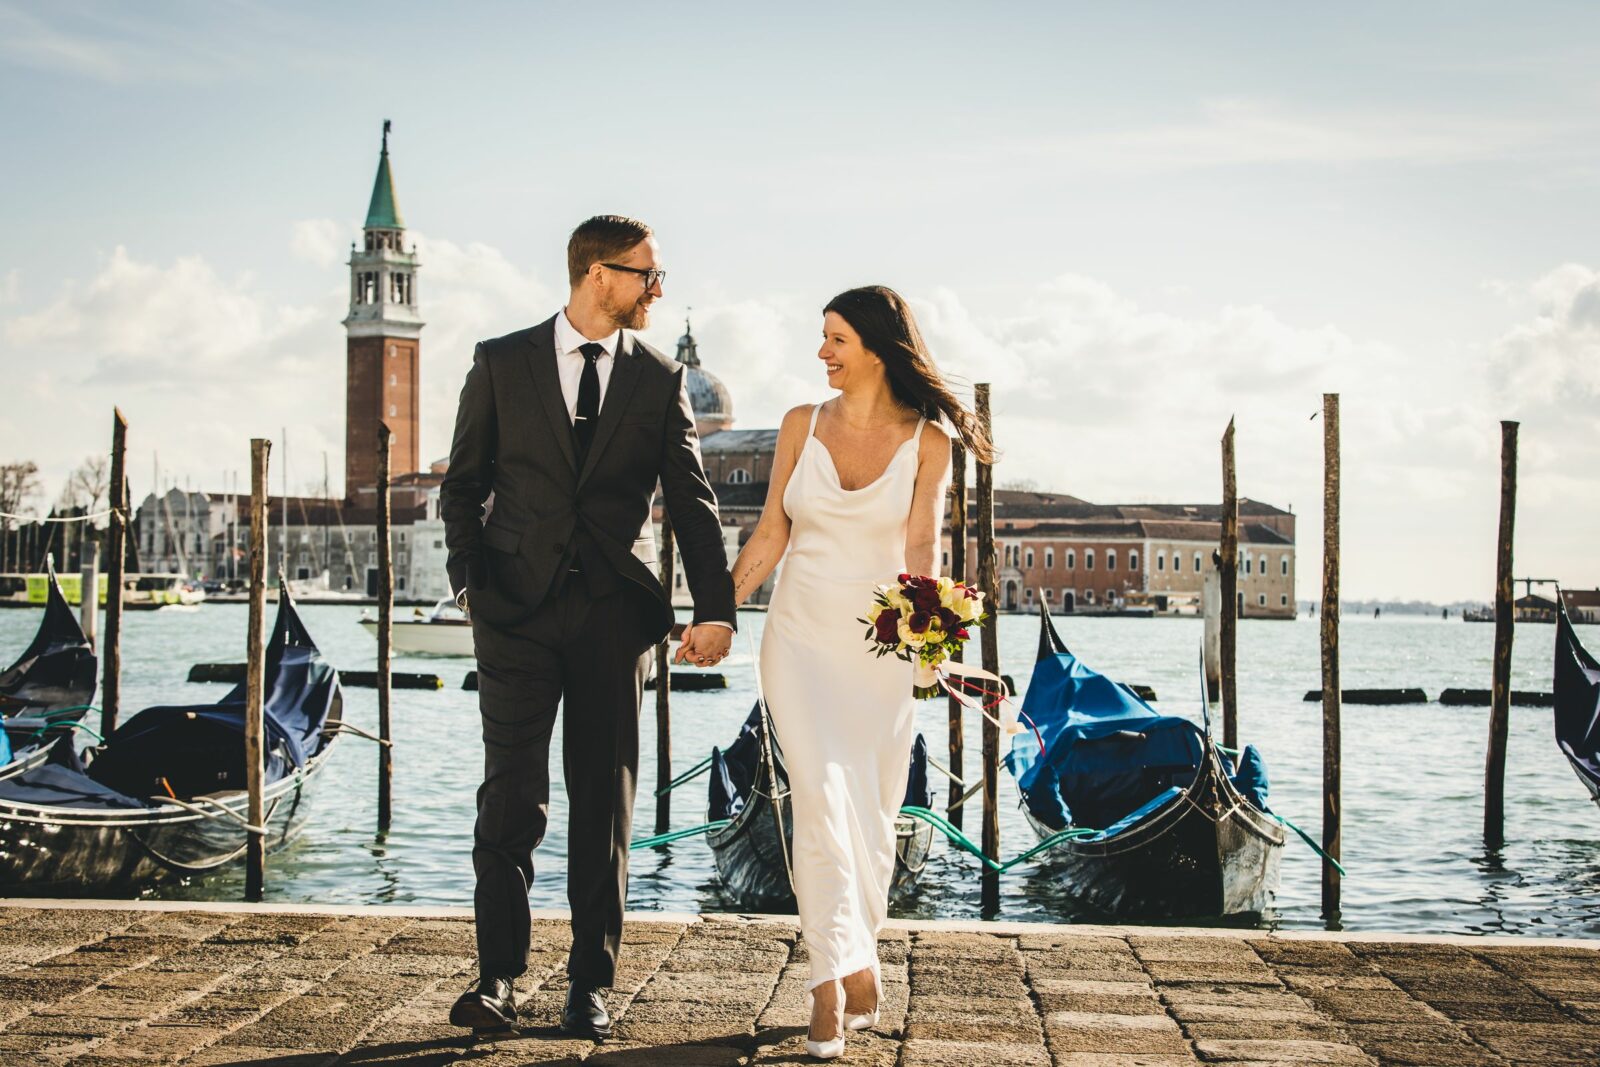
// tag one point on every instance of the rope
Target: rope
(1307, 839)
(943, 825)
(71, 725)
(693, 772)
(677, 835)
(57, 518)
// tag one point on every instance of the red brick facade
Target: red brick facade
(381, 385)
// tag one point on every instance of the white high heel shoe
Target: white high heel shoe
(867, 1020)
(823, 1050)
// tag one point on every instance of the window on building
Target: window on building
(1197, 563)
(400, 583)
(1247, 564)
(1072, 560)
(400, 559)
(392, 411)
(1111, 559)
(394, 379)
(1048, 596)
(1027, 594)
(1262, 599)
(1133, 559)
(438, 544)
(1049, 559)
(738, 476)
(1161, 561)
(1283, 600)
(1030, 564)
(1088, 596)
(372, 537)
(1088, 559)
(402, 536)
(1283, 562)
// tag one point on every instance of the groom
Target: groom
(569, 426)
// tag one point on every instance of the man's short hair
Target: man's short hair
(602, 238)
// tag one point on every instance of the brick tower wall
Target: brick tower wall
(381, 377)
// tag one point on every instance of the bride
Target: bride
(856, 498)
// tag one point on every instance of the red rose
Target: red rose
(903, 578)
(925, 598)
(887, 626)
(919, 621)
(961, 634)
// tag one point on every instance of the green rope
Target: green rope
(68, 711)
(676, 835)
(74, 725)
(939, 822)
(693, 772)
(1314, 846)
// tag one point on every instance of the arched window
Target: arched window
(1111, 559)
(1284, 562)
(1133, 559)
(1072, 560)
(1088, 563)
(1197, 563)
(1049, 559)
(1030, 557)
(738, 476)
(1161, 561)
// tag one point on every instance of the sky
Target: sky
(1136, 221)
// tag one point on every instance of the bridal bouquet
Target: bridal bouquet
(923, 621)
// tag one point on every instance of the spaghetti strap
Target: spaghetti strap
(811, 430)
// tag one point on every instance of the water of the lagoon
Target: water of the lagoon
(1413, 775)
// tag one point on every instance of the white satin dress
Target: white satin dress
(843, 717)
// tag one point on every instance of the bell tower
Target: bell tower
(383, 337)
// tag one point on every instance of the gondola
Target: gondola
(1171, 828)
(51, 685)
(753, 850)
(164, 796)
(1577, 699)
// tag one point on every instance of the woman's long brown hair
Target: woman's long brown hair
(883, 320)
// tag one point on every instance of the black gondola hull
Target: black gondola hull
(751, 853)
(1187, 860)
(63, 851)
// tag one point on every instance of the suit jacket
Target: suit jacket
(514, 438)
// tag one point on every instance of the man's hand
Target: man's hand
(704, 646)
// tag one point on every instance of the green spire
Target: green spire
(384, 213)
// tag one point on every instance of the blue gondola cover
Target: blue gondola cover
(1577, 699)
(1107, 754)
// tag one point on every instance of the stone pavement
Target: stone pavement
(218, 985)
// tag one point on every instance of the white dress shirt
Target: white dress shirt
(569, 361)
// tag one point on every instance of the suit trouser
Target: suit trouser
(587, 655)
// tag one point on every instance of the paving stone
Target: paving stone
(1547, 1042)
(933, 1053)
(1287, 1052)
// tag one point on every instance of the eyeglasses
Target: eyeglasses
(652, 276)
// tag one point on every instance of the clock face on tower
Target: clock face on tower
(383, 340)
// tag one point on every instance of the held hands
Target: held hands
(703, 645)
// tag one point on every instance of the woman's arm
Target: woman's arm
(926, 522)
(766, 546)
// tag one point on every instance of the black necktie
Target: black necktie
(588, 414)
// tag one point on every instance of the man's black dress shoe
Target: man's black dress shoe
(585, 1014)
(489, 1005)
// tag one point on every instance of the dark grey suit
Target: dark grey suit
(565, 606)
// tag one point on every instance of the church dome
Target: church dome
(710, 399)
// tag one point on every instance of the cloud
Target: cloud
(320, 242)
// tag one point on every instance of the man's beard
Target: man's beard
(634, 316)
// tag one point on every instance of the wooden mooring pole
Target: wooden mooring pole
(1228, 568)
(988, 581)
(1332, 806)
(116, 552)
(385, 636)
(958, 571)
(255, 671)
(1494, 772)
(664, 693)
